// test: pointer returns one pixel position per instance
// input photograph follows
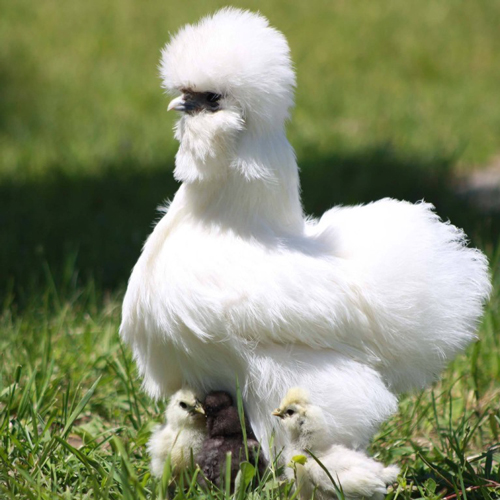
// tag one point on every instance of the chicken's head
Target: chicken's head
(232, 75)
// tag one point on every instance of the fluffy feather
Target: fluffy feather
(356, 474)
(234, 281)
(295, 396)
(359, 476)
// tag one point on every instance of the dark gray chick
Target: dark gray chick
(225, 435)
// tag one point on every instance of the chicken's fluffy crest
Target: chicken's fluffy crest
(233, 52)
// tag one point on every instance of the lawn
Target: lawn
(393, 99)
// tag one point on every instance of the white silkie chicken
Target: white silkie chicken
(357, 475)
(235, 281)
(181, 437)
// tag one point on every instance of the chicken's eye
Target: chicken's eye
(183, 405)
(289, 413)
(213, 97)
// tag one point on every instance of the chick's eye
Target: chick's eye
(289, 412)
(212, 97)
(183, 405)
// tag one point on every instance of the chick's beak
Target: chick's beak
(198, 408)
(179, 104)
(278, 413)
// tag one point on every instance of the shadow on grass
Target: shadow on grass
(76, 228)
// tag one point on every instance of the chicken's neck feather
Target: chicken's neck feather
(255, 190)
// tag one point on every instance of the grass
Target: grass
(393, 98)
(74, 421)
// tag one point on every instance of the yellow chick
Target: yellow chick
(181, 436)
(359, 476)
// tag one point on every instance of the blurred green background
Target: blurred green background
(393, 99)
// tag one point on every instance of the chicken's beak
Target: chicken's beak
(179, 104)
(198, 408)
(278, 413)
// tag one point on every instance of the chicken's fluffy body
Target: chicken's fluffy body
(181, 437)
(236, 283)
(357, 475)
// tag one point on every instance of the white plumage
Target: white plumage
(357, 475)
(235, 282)
(182, 435)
